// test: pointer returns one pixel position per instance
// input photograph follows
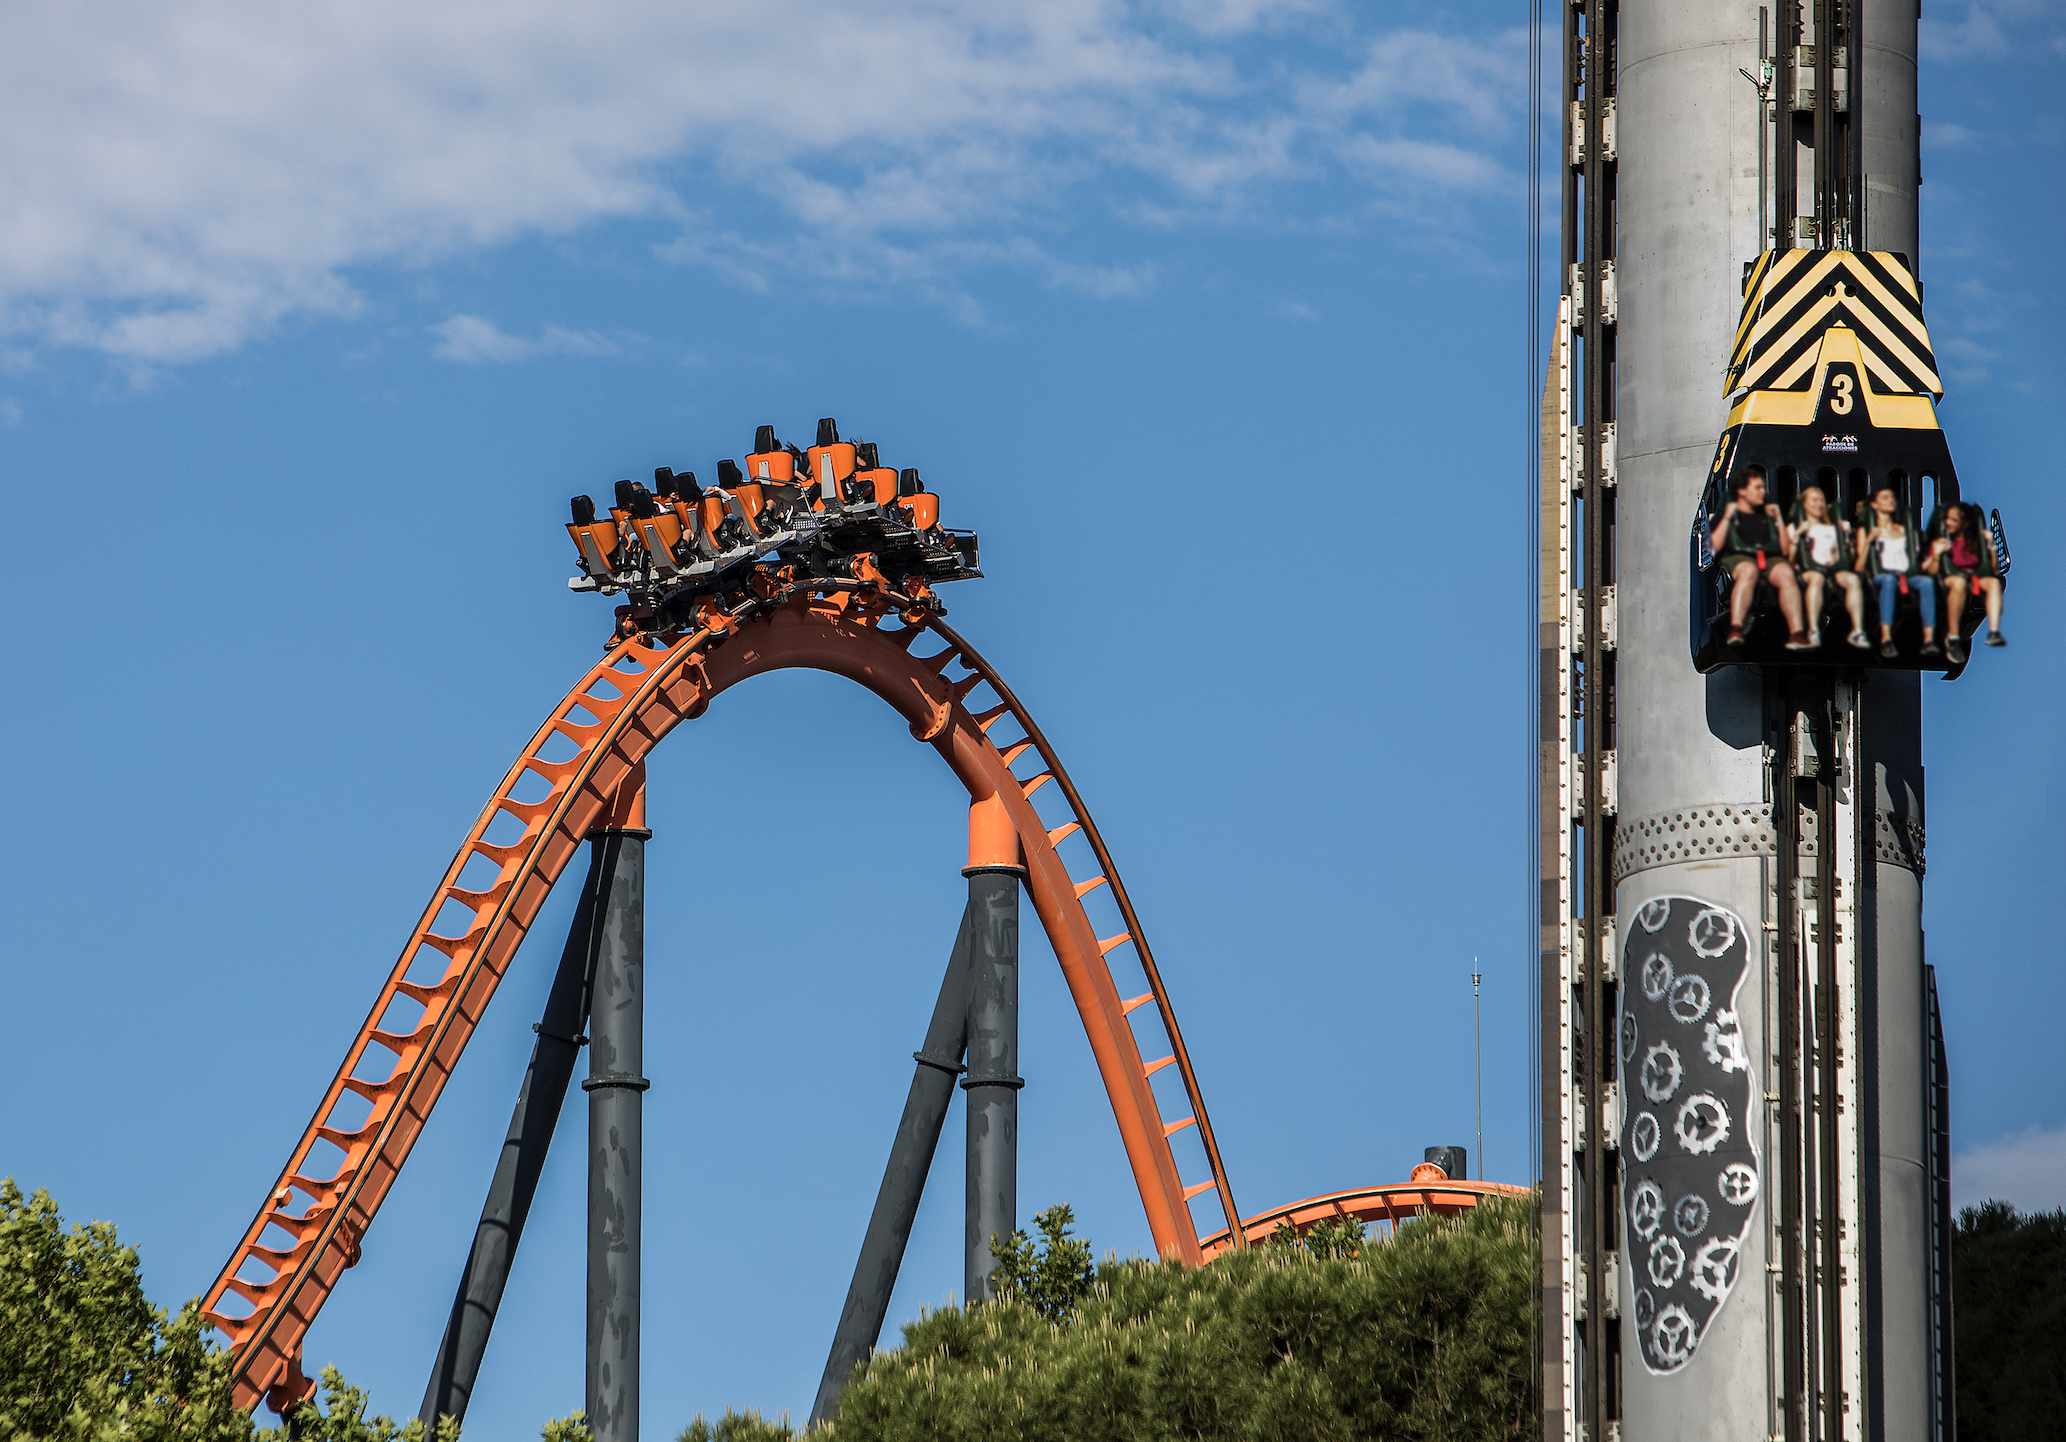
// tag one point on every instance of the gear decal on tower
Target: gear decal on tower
(1697, 1148)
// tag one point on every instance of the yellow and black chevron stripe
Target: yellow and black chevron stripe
(1792, 296)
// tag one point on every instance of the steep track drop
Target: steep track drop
(310, 1228)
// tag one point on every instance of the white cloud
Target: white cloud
(470, 340)
(1992, 30)
(180, 178)
(2027, 1170)
(10, 412)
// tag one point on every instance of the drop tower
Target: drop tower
(1745, 1188)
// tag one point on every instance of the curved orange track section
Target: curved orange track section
(1393, 1204)
(309, 1229)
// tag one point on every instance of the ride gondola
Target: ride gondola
(1836, 386)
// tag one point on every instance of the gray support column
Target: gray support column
(903, 1180)
(516, 1172)
(616, 1088)
(993, 1058)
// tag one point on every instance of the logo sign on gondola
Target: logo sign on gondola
(1690, 1179)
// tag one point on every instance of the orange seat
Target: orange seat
(597, 542)
(873, 481)
(832, 461)
(770, 461)
(918, 504)
(749, 504)
(923, 509)
(659, 532)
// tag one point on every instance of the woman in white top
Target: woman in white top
(1821, 554)
(1890, 553)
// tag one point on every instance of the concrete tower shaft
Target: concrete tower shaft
(1692, 756)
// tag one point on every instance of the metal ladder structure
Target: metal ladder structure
(1580, 1339)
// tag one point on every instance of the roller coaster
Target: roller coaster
(818, 558)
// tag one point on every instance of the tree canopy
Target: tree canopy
(1422, 1337)
(2009, 1322)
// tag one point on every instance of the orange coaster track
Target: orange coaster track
(1402, 1202)
(311, 1226)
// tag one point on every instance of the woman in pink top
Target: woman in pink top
(1962, 558)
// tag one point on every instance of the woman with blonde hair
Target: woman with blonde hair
(1822, 555)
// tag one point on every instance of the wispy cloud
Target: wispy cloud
(179, 179)
(470, 340)
(2027, 1170)
(1994, 29)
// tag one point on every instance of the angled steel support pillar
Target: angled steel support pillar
(616, 1094)
(531, 1125)
(993, 1082)
(903, 1180)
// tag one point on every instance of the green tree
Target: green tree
(1421, 1337)
(737, 1427)
(2009, 1322)
(341, 1417)
(84, 1356)
(1052, 1278)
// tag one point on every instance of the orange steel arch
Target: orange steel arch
(619, 712)
(1401, 1202)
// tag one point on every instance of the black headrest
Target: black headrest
(728, 473)
(866, 457)
(828, 432)
(908, 484)
(663, 480)
(764, 441)
(625, 491)
(584, 510)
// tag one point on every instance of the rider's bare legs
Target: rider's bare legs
(1745, 590)
(1812, 586)
(1990, 588)
(1854, 599)
(1789, 590)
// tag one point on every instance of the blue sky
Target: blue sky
(1207, 316)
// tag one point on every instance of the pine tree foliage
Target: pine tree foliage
(571, 1428)
(748, 1426)
(1422, 1337)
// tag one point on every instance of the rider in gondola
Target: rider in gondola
(1750, 540)
(1891, 555)
(1963, 560)
(1822, 555)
